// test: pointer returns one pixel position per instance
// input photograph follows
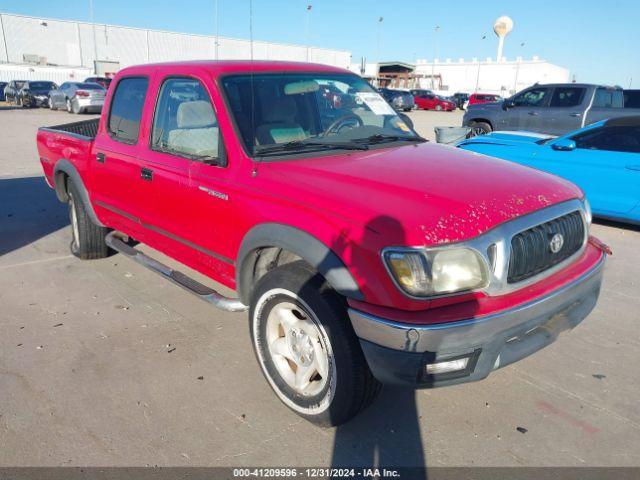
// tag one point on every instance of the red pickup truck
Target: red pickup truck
(364, 254)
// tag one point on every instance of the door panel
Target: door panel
(608, 184)
(566, 109)
(115, 165)
(186, 200)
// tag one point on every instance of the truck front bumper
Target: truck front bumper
(468, 350)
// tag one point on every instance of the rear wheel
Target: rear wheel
(307, 348)
(87, 239)
(480, 128)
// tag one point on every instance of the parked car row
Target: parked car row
(75, 97)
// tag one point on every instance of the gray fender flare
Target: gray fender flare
(306, 246)
(65, 166)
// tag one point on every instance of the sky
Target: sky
(597, 40)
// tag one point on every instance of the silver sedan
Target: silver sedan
(78, 97)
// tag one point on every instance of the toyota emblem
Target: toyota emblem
(556, 243)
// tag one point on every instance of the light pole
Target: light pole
(217, 40)
(379, 35)
(518, 61)
(95, 44)
(478, 74)
(435, 52)
(309, 7)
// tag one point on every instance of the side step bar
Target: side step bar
(198, 289)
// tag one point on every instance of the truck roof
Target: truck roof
(220, 67)
(595, 85)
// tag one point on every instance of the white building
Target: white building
(503, 78)
(448, 77)
(60, 50)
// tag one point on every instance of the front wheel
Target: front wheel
(306, 346)
(480, 128)
(438, 108)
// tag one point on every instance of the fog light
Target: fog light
(448, 366)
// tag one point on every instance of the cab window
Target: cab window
(608, 98)
(531, 98)
(184, 122)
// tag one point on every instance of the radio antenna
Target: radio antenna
(253, 96)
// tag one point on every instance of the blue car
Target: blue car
(603, 159)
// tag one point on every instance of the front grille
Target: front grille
(531, 251)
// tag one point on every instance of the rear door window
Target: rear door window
(567, 96)
(126, 109)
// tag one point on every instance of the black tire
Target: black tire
(349, 386)
(87, 239)
(480, 128)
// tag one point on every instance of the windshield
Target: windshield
(41, 85)
(303, 110)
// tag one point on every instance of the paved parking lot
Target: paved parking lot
(104, 363)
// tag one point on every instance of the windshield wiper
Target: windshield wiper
(298, 145)
(382, 138)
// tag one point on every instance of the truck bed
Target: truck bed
(71, 142)
(87, 129)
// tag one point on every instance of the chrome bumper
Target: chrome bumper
(493, 340)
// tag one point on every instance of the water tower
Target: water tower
(502, 27)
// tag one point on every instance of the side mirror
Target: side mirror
(507, 104)
(564, 145)
(405, 118)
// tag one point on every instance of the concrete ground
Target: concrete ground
(103, 363)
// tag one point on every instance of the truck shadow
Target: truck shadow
(387, 433)
(29, 210)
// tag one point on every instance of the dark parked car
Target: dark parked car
(398, 99)
(12, 89)
(35, 93)
(459, 99)
(103, 81)
(2, 85)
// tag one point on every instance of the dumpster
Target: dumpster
(451, 135)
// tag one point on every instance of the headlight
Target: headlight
(422, 273)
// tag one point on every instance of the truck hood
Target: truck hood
(437, 194)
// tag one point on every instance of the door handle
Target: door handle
(575, 114)
(146, 174)
(534, 114)
(100, 157)
(634, 167)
